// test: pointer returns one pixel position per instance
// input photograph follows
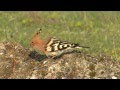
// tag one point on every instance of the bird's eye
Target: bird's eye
(32, 42)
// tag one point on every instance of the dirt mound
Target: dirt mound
(19, 63)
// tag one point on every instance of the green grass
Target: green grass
(96, 29)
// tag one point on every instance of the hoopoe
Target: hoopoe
(53, 47)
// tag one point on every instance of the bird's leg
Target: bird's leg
(56, 57)
(53, 57)
(47, 56)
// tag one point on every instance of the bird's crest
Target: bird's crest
(39, 32)
(35, 38)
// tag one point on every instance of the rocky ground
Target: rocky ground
(17, 62)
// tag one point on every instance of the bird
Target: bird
(53, 47)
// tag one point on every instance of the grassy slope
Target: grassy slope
(98, 30)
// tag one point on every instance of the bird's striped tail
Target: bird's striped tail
(78, 46)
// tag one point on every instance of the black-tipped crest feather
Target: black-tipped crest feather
(39, 31)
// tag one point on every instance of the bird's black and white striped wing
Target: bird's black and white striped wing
(54, 45)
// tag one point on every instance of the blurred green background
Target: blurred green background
(97, 29)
